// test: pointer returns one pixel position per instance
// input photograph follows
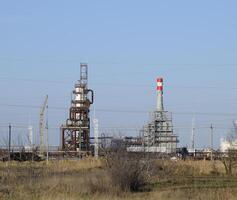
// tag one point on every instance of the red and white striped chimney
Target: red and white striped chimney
(160, 106)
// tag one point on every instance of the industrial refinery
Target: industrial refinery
(118, 100)
(157, 136)
(78, 139)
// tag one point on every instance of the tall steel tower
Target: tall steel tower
(75, 134)
(158, 133)
(160, 105)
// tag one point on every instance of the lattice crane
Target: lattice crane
(42, 125)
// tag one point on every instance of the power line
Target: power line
(160, 65)
(120, 110)
(33, 80)
(54, 127)
(206, 87)
(32, 106)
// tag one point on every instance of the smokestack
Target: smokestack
(160, 106)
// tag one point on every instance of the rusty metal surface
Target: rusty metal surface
(75, 133)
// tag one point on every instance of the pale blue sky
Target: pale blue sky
(127, 44)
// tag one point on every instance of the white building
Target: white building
(225, 145)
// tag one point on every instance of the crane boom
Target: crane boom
(44, 105)
(42, 125)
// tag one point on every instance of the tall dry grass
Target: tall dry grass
(190, 167)
(90, 179)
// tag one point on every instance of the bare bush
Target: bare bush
(129, 172)
(230, 159)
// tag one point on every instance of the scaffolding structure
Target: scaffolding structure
(158, 134)
(75, 134)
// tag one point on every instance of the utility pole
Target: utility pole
(9, 141)
(193, 134)
(211, 141)
(47, 133)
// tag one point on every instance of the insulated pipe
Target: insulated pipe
(92, 96)
(159, 105)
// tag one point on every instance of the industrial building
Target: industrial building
(75, 134)
(75, 140)
(226, 145)
(158, 134)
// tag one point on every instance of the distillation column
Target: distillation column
(75, 134)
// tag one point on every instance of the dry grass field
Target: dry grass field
(90, 179)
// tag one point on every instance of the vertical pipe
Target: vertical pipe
(30, 136)
(193, 134)
(160, 106)
(96, 135)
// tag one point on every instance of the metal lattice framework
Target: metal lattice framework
(75, 134)
(158, 133)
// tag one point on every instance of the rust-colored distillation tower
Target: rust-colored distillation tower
(76, 132)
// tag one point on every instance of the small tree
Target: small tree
(230, 159)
